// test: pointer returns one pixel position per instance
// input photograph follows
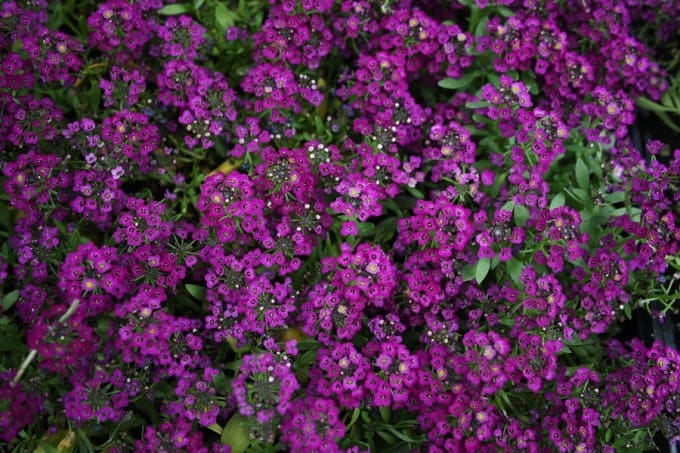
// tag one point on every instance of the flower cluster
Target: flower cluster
(307, 225)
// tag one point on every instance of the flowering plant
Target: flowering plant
(361, 225)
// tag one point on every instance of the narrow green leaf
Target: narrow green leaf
(197, 292)
(10, 299)
(198, 4)
(482, 269)
(595, 167)
(235, 365)
(387, 437)
(415, 192)
(498, 183)
(308, 358)
(44, 447)
(450, 83)
(385, 413)
(480, 28)
(405, 437)
(505, 12)
(653, 106)
(175, 9)
(615, 197)
(355, 417)
(476, 104)
(582, 175)
(628, 311)
(224, 17)
(61, 227)
(581, 195)
(236, 433)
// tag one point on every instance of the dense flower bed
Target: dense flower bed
(326, 226)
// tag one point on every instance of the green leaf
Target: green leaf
(489, 142)
(389, 225)
(197, 292)
(17, 45)
(628, 311)
(476, 104)
(482, 269)
(44, 447)
(480, 27)
(236, 364)
(557, 201)
(653, 106)
(215, 428)
(224, 17)
(198, 4)
(498, 183)
(582, 175)
(102, 328)
(468, 272)
(392, 205)
(505, 12)
(175, 9)
(385, 413)
(61, 227)
(236, 433)
(520, 214)
(494, 79)
(591, 220)
(405, 437)
(222, 384)
(508, 206)
(581, 195)
(307, 359)
(366, 229)
(355, 417)
(387, 437)
(615, 197)
(450, 83)
(415, 192)
(10, 299)
(515, 268)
